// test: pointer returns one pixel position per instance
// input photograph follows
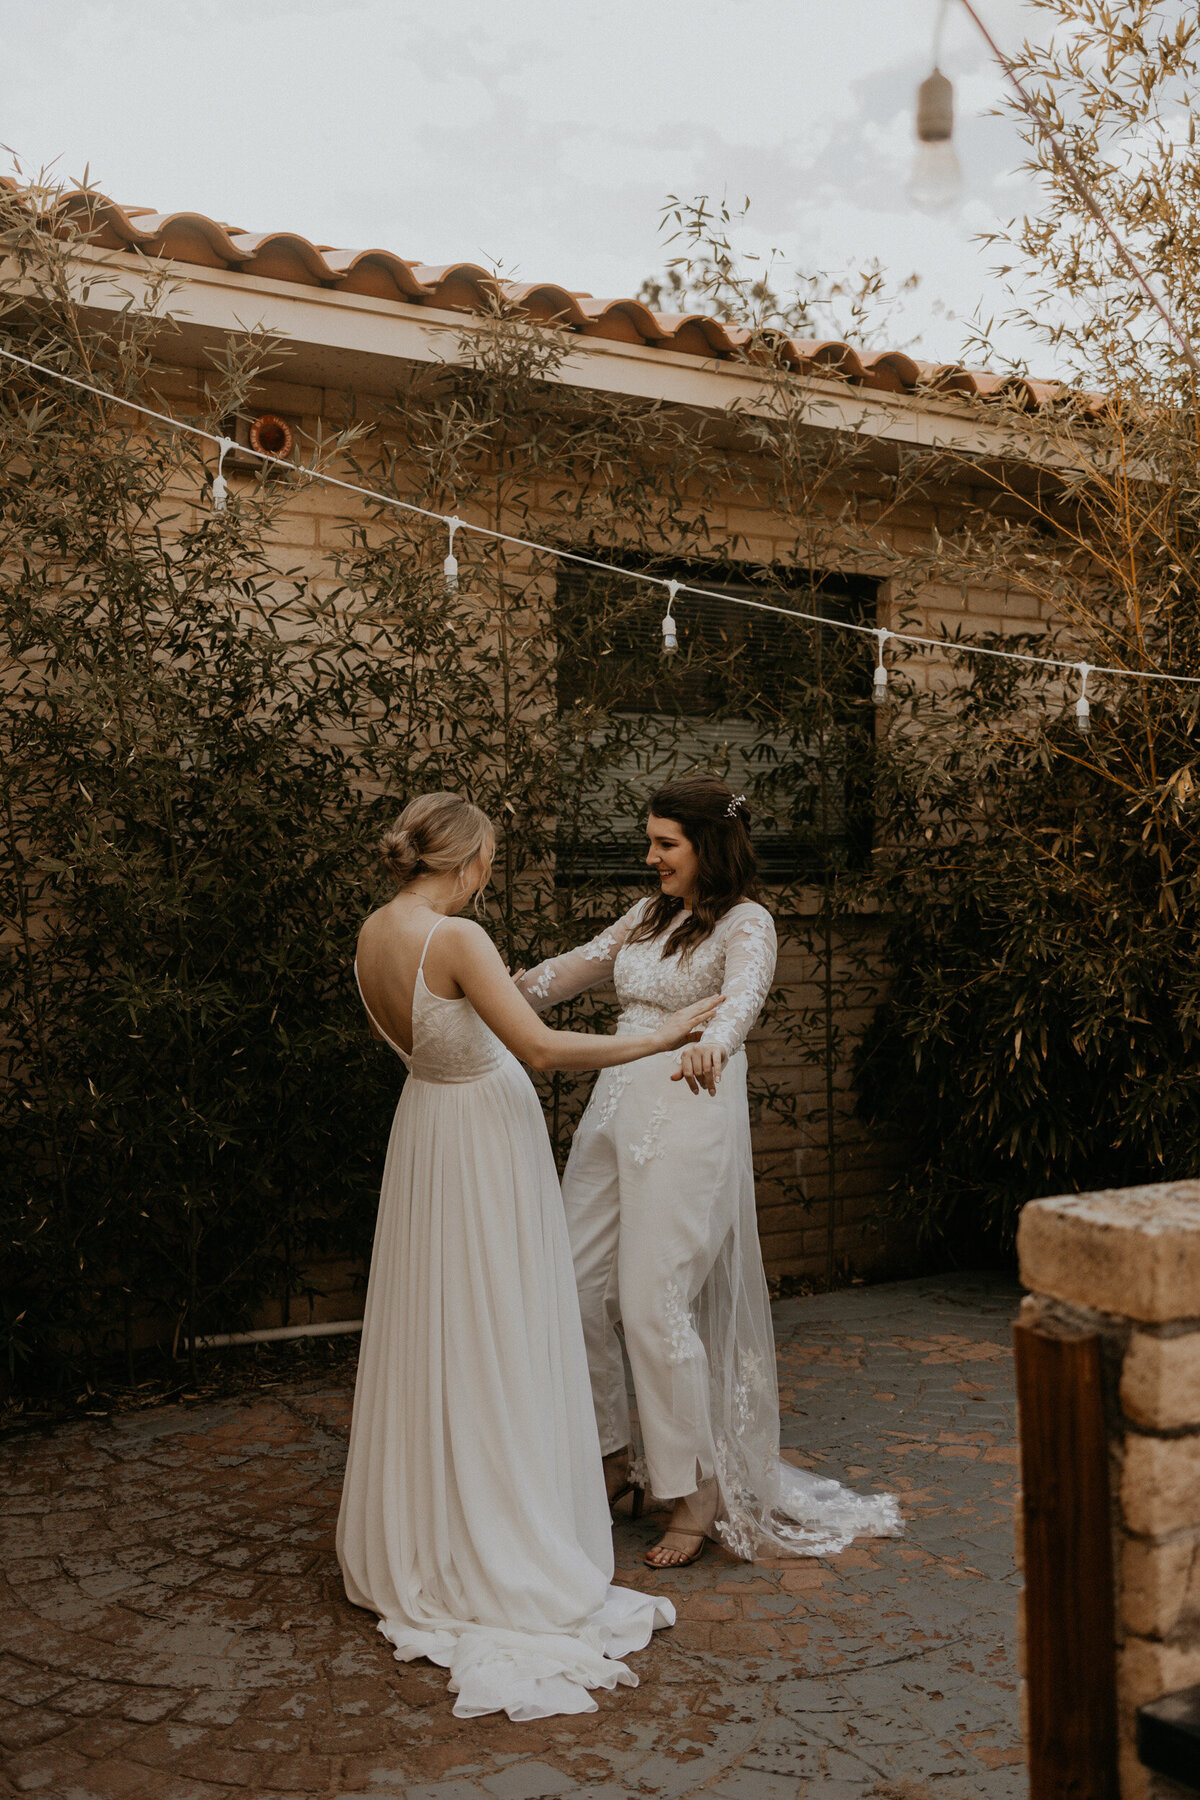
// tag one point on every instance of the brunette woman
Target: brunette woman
(659, 1196)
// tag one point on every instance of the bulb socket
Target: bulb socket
(935, 109)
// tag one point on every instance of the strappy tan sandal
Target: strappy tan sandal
(683, 1562)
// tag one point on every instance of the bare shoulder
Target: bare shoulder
(466, 937)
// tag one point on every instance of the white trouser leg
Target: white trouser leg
(591, 1199)
(662, 1262)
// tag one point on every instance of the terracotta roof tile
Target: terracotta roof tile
(188, 237)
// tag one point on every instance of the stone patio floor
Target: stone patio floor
(172, 1624)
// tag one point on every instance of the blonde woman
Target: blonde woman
(474, 1518)
(659, 1196)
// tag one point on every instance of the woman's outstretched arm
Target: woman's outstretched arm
(562, 977)
(474, 963)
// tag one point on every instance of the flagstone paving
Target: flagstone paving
(172, 1625)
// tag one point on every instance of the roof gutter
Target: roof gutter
(338, 340)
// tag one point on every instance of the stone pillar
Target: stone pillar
(1125, 1264)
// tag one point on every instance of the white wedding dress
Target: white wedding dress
(474, 1519)
(659, 1197)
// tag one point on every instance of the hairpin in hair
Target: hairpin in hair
(735, 806)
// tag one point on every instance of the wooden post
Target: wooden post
(1069, 1611)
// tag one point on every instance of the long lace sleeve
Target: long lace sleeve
(562, 977)
(750, 952)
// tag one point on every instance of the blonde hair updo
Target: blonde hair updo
(435, 832)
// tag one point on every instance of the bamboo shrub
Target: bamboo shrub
(200, 748)
(1043, 1025)
(190, 1111)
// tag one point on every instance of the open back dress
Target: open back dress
(474, 1519)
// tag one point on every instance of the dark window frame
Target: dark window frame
(728, 655)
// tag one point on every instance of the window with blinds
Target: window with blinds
(782, 711)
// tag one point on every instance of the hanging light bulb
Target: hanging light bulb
(879, 693)
(936, 181)
(670, 639)
(450, 566)
(220, 487)
(1083, 712)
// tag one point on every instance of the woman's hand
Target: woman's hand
(700, 1066)
(685, 1026)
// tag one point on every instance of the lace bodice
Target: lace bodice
(738, 960)
(451, 1043)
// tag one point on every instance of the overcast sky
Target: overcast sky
(541, 135)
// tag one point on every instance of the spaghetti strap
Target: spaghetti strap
(404, 1055)
(425, 946)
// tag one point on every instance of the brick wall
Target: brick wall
(792, 1166)
(1125, 1265)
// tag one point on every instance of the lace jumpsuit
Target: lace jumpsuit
(659, 1198)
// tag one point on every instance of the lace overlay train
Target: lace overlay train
(659, 1194)
(473, 1519)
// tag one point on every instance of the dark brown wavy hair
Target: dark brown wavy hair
(699, 805)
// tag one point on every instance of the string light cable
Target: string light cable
(673, 588)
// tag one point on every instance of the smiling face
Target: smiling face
(673, 858)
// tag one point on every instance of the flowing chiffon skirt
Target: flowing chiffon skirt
(474, 1519)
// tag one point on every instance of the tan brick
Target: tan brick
(290, 398)
(776, 1220)
(780, 1244)
(1160, 1380)
(852, 1240)
(1160, 1485)
(1160, 1585)
(1129, 1251)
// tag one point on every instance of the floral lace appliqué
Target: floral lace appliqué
(738, 961)
(563, 977)
(639, 1471)
(538, 981)
(606, 1097)
(748, 1387)
(780, 1509)
(651, 1144)
(679, 1330)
